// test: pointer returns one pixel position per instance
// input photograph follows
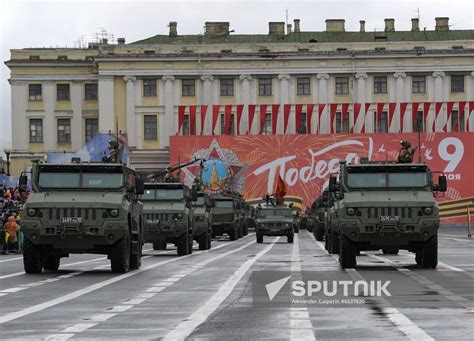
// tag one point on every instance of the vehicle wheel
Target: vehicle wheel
(136, 259)
(429, 253)
(182, 245)
(290, 238)
(347, 253)
(334, 243)
(296, 228)
(233, 234)
(310, 228)
(120, 255)
(160, 245)
(190, 244)
(319, 234)
(390, 250)
(32, 261)
(209, 240)
(52, 263)
(246, 230)
(203, 241)
(259, 238)
(326, 241)
(418, 257)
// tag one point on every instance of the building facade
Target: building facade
(225, 83)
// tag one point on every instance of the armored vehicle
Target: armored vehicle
(318, 209)
(202, 230)
(82, 208)
(227, 217)
(384, 205)
(274, 221)
(168, 216)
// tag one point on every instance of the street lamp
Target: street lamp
(7, 152)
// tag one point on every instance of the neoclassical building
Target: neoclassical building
(287, 81)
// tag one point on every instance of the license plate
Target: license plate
(71, 220)
(389, 218)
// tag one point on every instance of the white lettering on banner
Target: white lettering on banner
(453, 158)
(319, 169)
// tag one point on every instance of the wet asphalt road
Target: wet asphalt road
(209, 295)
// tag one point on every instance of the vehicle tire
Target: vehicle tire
(319, 234)
(182, 245)
(290, 238)
(203, 241)
(209, 237)
(246, 230)
(160, 245)
(429, 253)
(190, 244)
(390, 250)
(326, 241)
(136, 259)
(347, 253)
(32, 261)
(120, 255)
(259, 238)
(233, 234)
(296, 228)
(52, 263)
(334, 243)
(309, 228)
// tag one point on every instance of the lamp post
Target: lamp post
(7, 152)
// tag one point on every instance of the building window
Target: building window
(382, 124)
(36, 130)
(150, 126)
(64, 130)
(380, 84)
(34, 92)
(92, 128)
(223, 132)
(345, 124)
(456, 123)
(457, 83)
(186, 125)
(338, 123)
(227, 87)
(342, 85)
(188, 87)
(267, 128)
(62, 92)
(90, 92)
(419, 84)
(149, 88)
(418, 125)
(265, 87)
(303, 86)
(302, 129)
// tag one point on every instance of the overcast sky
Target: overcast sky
(28, 23)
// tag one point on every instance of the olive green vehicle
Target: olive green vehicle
(82, 208)
(384, 205)
(169, 216)
(228, 217)
(318, 214)
(274, 221)
(202, 231)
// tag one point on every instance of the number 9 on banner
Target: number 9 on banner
(453, 158)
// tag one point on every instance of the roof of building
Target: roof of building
(310, 37)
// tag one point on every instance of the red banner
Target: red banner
(403, 108)
(414, 113)
(391, 113)
(251, 163)
(356, 116)
(275, 110)
(332, 113)
(192, 119)
(310, 108)
(227, 119)
(181, 110)
(298, 110)
(251, 116)
(215, 117)
(240, 109)
(344, 112)
(203, 117)
(263, 113)
(286, 116)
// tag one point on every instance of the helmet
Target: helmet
(405, 144)
(113, 144)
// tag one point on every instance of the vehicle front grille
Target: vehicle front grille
(402, 212)
(158, 216)
(54, 215)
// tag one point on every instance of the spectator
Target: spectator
(11, 234)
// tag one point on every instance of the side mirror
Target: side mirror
(442, 183)
(23, 182)
(332, 183)
(140, 186)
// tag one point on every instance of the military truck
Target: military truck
(227, 217)
(251, 216)
(318, 210)
(82, 208)
(169, 216)
(202, 230)
(274, 221)
(384, 205)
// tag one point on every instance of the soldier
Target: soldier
(114, 153)
(405, 155)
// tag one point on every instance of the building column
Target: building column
(244, 123)
(76, 122)
(49, 125)
(284, 99)
(440, 121)
(469, 121)
(323, 99)
(361, 98)
(106, 104)
(20, 123)
(130, 105)
(207, 100)
(167, 127)
(399, 98)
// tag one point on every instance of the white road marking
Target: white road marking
(10, 259)
(119, 308)
(80, 327)
(58, 337)
(100, 317)
(185, 329)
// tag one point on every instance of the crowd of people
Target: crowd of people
(11, 202)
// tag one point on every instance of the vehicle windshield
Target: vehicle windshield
(224, 203)
(162, 194)
(78, 179)
(199, 201)
(275, 213)
(387, 180)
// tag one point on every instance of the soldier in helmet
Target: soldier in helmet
(113, 155)
(405, 155)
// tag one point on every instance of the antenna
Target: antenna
(418, 12)
(286, 14)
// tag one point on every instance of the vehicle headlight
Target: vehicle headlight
(179, 216)
(262, 225)
(351, 211)
(114, 213)
(428, 210)
(32, 212)
(287, 225)
(199, 218)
